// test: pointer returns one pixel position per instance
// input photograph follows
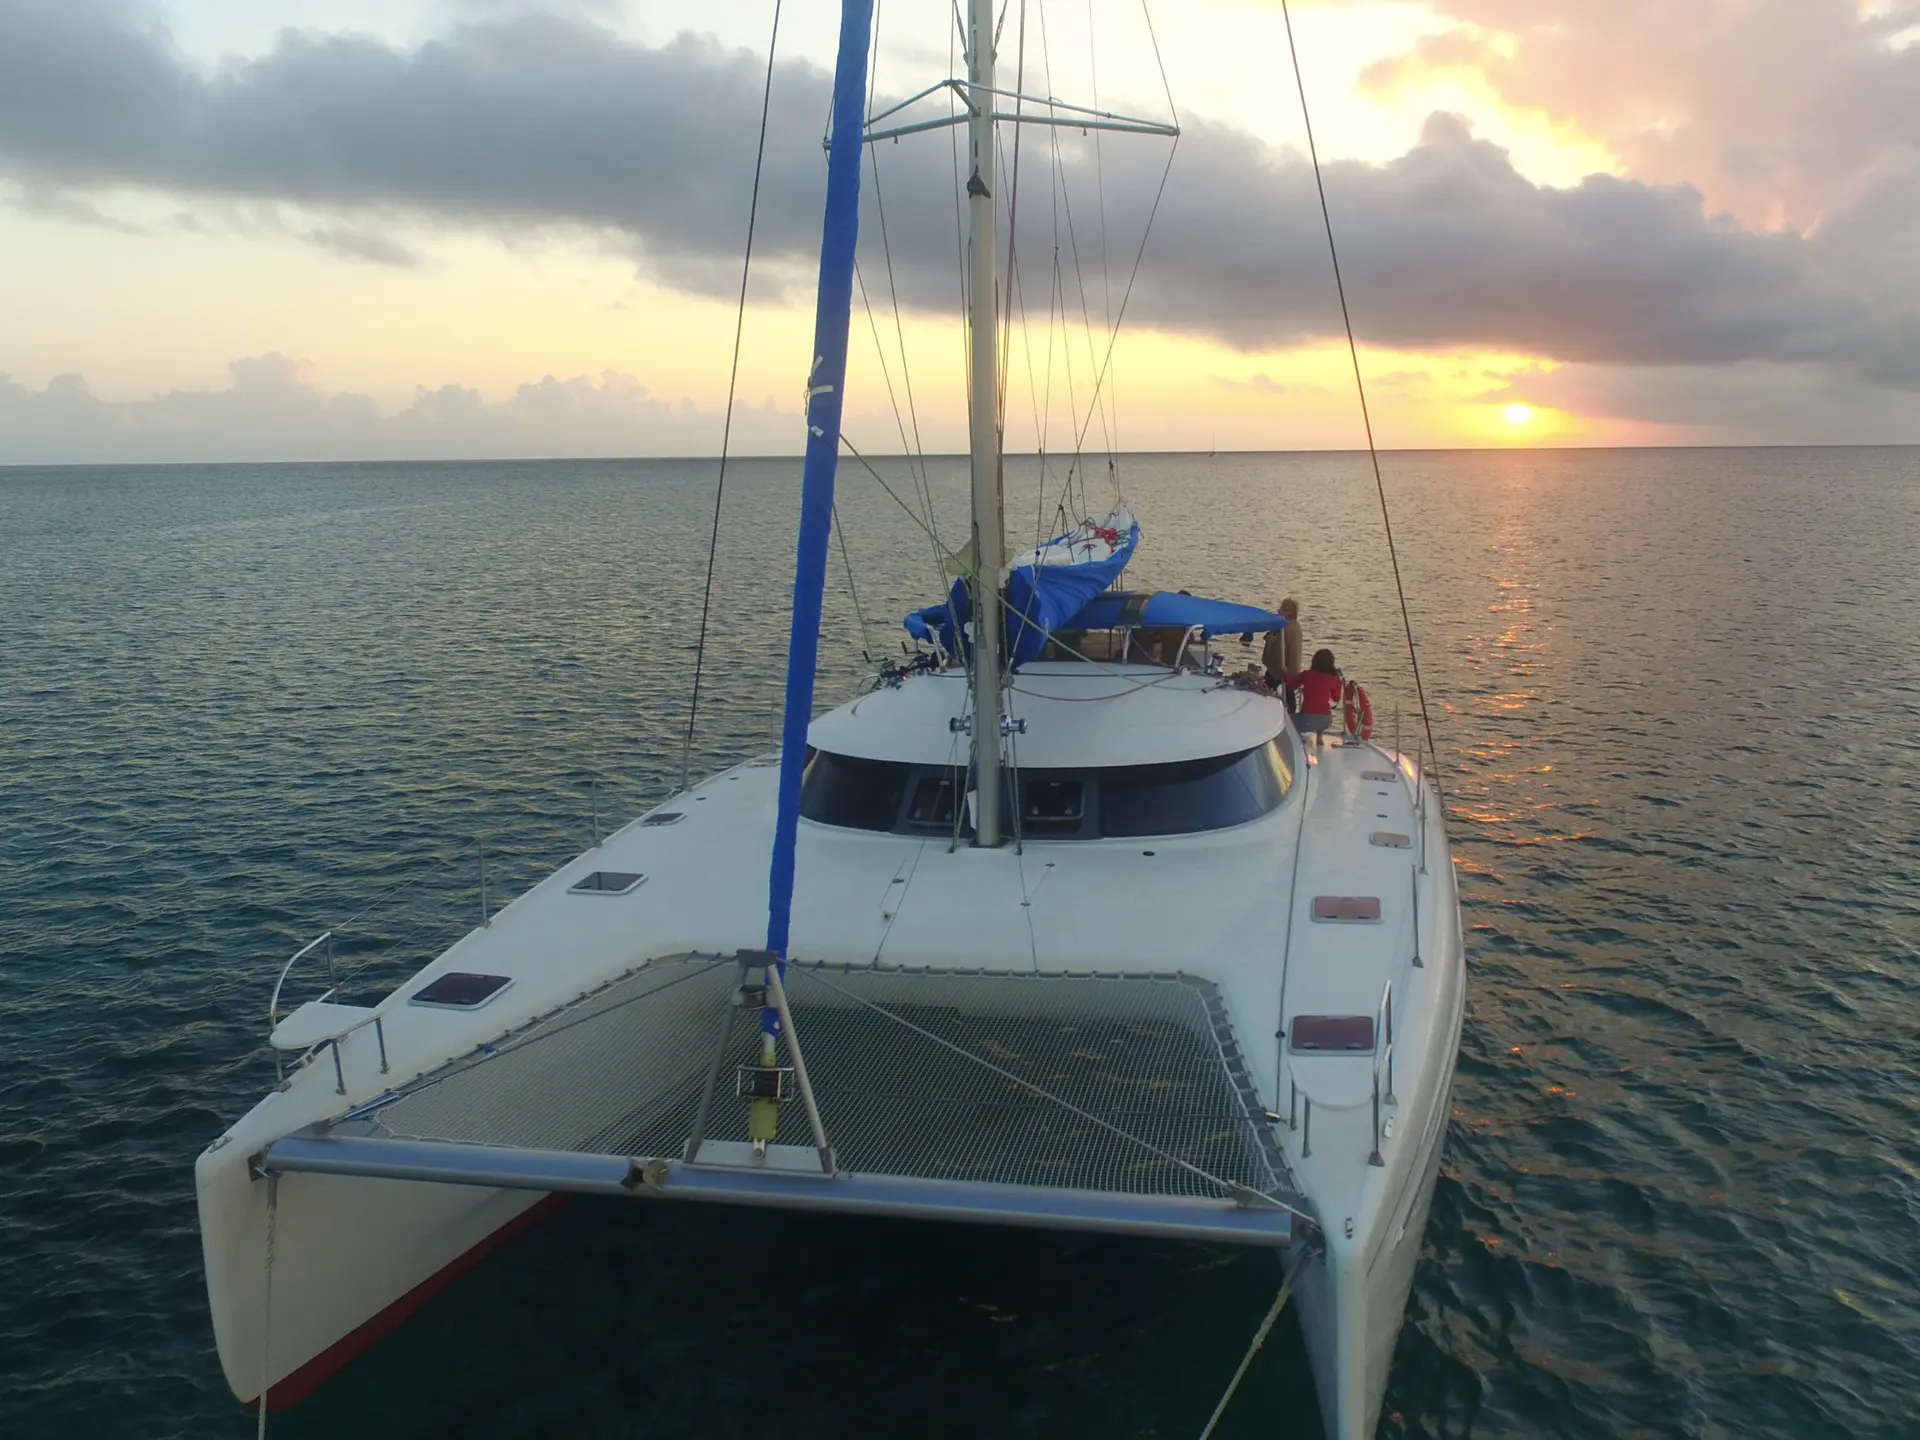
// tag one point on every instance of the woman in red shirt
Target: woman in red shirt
(1319, 692)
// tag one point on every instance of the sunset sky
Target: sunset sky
(284, 229)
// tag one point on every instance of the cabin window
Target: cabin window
(1186, 797)
(1051, 807)
(1192, 795)
(854, 793)
(932, 803)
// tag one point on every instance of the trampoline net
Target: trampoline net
(1080, 1082)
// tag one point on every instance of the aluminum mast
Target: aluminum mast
(989, 541)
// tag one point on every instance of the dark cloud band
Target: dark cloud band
(537, 122)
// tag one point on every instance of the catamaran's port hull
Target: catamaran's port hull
(352, 1259)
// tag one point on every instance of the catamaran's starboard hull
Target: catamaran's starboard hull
(1351, 1321)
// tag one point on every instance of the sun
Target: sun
(1519, 414)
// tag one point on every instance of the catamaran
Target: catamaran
(966, 991)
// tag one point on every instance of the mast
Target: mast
(826, 386)
(989, 543)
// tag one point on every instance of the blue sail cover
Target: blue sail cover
(826, 384)
(1040, 600)
(943, 624)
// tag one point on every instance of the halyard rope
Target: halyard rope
(733, 380)
(1353, 351)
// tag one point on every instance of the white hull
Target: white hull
(1350, 1316)
(349, 1250)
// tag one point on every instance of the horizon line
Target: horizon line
(952, 455)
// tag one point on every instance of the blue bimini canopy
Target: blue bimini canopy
(1164, 609)
(1110, 610)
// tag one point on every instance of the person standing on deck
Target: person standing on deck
(1321, 689)
(1281, 654)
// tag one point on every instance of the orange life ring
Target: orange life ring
(1359, 711)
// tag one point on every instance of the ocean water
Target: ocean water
(1676, 696)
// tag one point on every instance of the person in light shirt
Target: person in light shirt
(1280, 656)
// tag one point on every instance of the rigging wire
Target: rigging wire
(959, 224)
(892, 494)
(1109, 427)
(1016, 286)
(1353, 351)
(922, 492)
(840, 534)
(1045, 425)
(1017, 289)
(1086, 329)
(1013, 227)
(1126, 296)
(918, 452)
(726, 429)
(1058, 182)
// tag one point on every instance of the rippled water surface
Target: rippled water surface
(1676, 696)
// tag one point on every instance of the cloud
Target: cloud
(1259, 384)
(273, 408)
(1747, 404)
(1777, 109)
(536, 123)
(353, 244)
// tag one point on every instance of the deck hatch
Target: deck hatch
(621, 1072)
(607, 882)
(1377, 775)
(1390, 839)
(665, 817)
(459, 990)
(1344, 1034)
(1347, 909)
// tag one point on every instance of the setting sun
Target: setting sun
(1519, 414)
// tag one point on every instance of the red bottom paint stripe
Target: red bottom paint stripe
(294, 1388)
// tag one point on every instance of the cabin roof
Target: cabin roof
(1077, 715)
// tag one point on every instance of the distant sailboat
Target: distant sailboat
(1061, 927)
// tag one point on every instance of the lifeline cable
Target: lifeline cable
(733, 380)
(1353, 350)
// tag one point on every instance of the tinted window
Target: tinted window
(931, 807)
(1183, 798)
(860, 794)
(1052, 807)
(1193, 795)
